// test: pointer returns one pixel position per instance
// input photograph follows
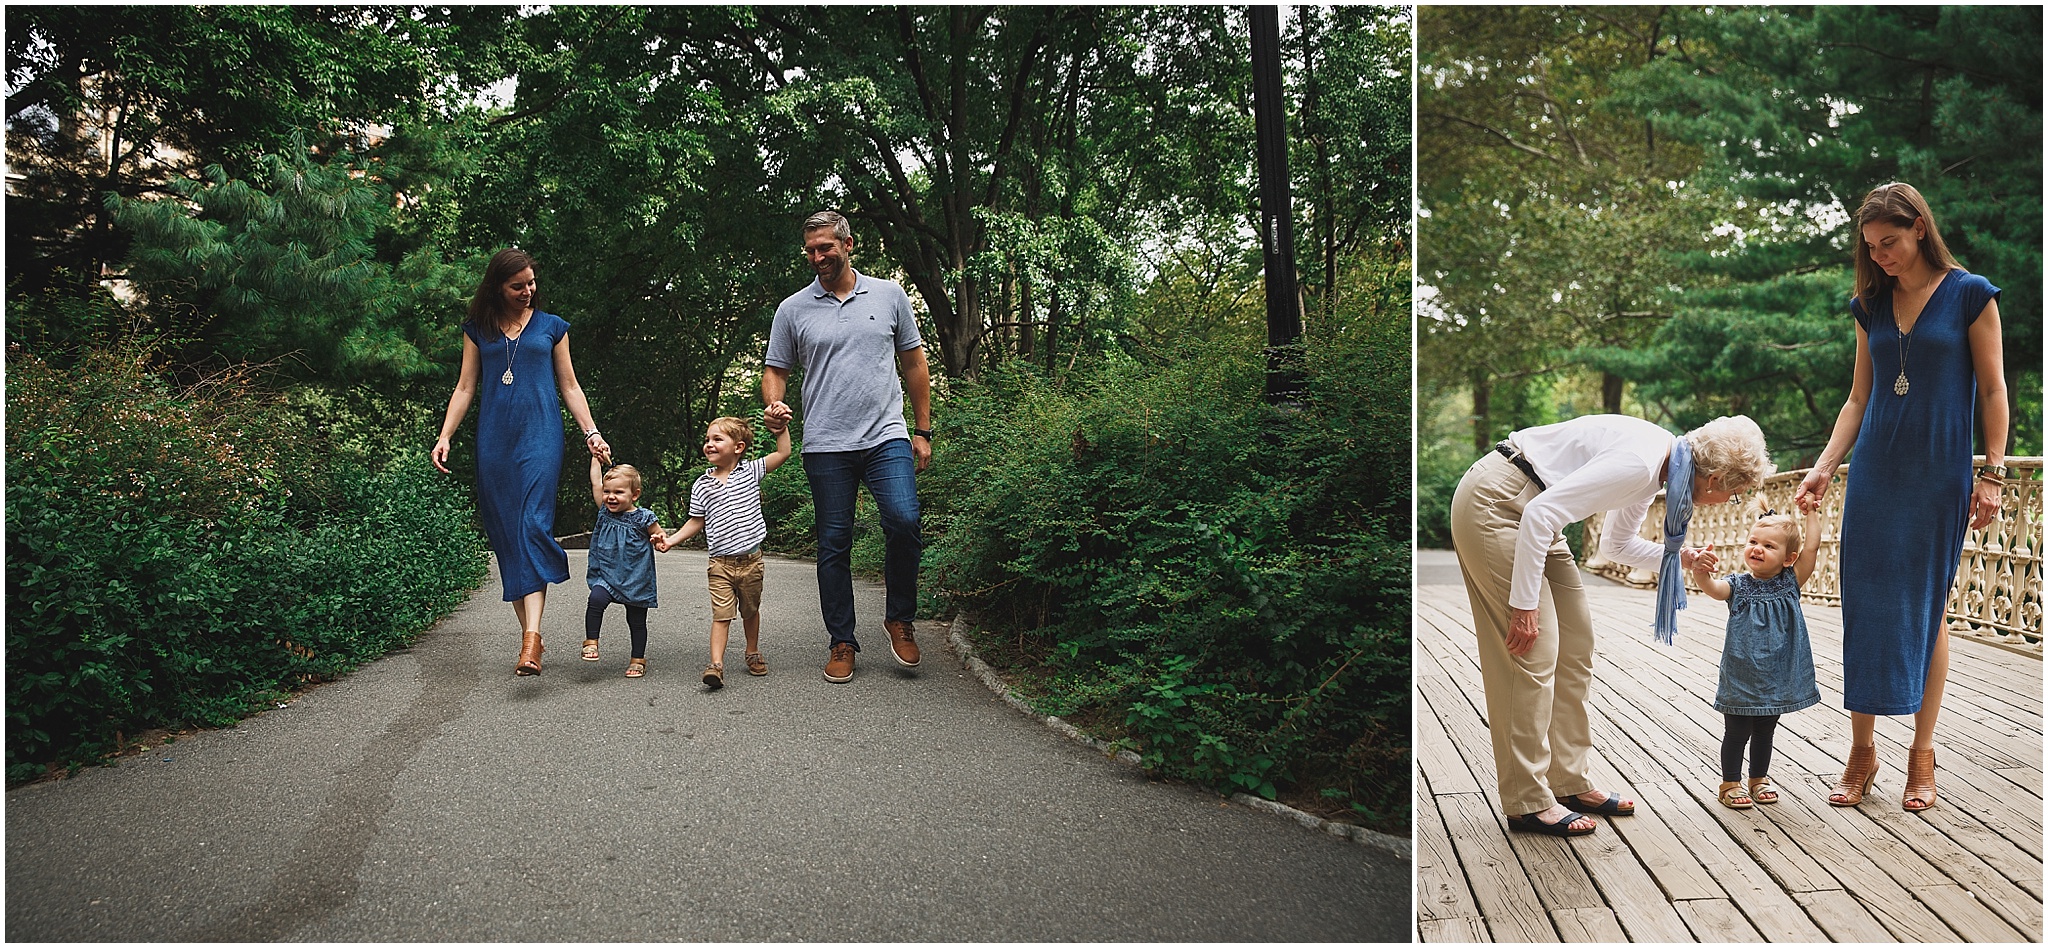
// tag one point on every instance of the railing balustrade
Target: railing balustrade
(1997, 593)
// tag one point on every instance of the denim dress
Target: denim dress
(622, 557)
(1766, 662)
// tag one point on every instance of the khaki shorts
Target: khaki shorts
(735, 586)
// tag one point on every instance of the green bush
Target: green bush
(177, 557)
(1227, 581)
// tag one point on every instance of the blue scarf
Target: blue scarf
(1677, 515)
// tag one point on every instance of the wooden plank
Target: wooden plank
(1717, 920)
(1499, 884)
(1797, 871)
(1842, 917)
(1971, 921)
(1440, 890)
(1434, 753)
(1993, 892)
(2025, 778)
(1588, 925)
(2009, 861)
(1770, 910)
(1453, 931)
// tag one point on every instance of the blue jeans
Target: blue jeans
(891, 476)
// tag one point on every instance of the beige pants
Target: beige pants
(1535, 703)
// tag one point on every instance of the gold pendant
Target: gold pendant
(1898, 387)
(507, 379)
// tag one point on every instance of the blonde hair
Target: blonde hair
(1732, 447)
(1898, 204)
(1769, 519)
(627, 473)
(736, 429)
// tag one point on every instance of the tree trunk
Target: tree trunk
(1482, 426)
(1610, 393)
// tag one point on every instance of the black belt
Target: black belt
(1516, 458)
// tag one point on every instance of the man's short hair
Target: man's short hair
(823, 219)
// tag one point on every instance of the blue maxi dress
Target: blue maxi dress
(1907, 501)
(519, 453)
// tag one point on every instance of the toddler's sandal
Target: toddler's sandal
(1762, 790)
(590, 650)
(1734, 797)
(635, 667)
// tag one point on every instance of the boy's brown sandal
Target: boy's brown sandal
(756, 665)
(714, 675)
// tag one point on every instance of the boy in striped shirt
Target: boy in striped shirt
(725, 503)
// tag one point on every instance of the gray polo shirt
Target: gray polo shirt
(853, 399)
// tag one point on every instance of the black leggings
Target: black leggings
(636, 619)
(1755, 731)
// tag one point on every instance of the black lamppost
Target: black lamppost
(1276, 218)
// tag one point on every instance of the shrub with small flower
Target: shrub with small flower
(177, 555)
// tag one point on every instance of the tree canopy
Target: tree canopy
(1658, 199)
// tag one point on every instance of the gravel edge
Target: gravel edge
(1399, 846)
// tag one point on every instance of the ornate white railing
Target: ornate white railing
(1997, 594)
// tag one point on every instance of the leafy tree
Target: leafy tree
(1550, 220)
(1807, 108)
(123, 100)
(281, 269)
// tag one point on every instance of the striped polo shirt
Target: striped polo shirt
(731, 508)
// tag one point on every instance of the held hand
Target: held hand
(921, 450)
(1522, 630)
(661, 543)
(440, 455)
(1985, 501)
(1813, 490)
(599, 449)
(777, 416)
(1702, 560)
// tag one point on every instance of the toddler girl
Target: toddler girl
(1766, 662)
(621, 559)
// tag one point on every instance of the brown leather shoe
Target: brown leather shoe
(840, 668)
(529, 654)
(756, 665)
(903, 641)
(714, 675)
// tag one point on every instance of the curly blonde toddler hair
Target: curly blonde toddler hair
(1785, 523)
(627, 473)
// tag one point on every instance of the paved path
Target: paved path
(434, 796)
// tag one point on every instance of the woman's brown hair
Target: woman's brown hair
(1898, 204)
(487, 308)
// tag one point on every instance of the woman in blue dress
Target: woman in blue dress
(1928, 352)
(514, 359)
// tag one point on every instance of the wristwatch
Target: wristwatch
(925, 433)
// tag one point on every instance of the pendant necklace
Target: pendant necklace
(1900, 386)
(1905, 346)
(511, 352)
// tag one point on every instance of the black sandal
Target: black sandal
(1608, 807)
(1531, 823)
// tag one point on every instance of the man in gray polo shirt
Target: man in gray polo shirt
(850, 332)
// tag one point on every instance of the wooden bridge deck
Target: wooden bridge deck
(1686, 869)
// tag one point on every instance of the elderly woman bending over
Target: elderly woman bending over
(1535, 632)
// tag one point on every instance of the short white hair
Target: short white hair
(1732, 447)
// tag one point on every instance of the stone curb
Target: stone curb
(1399, 846)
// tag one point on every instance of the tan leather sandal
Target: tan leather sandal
(635, 667)
(529, 654)
(1857, 776)
(1919, 780)
(590, 650)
